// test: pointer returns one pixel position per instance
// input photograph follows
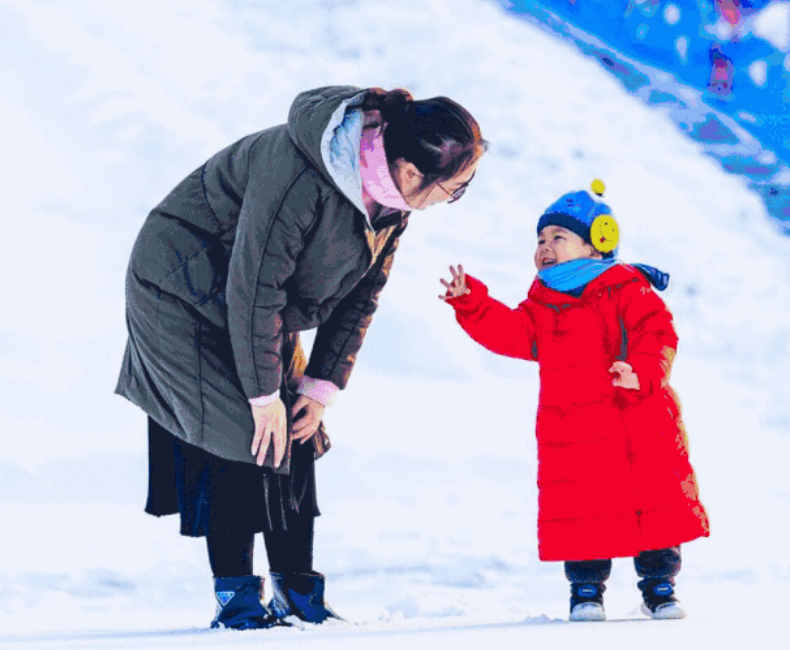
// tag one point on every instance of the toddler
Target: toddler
(614, 478)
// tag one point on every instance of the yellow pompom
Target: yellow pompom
(605, 233)
(598, 187)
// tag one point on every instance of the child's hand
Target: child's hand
(458, 286)
(626, 376)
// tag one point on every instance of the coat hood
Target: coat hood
(325, 128)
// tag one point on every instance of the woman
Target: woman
(288, 229)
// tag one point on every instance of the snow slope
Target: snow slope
(429, 499)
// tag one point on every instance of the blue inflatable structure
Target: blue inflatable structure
(729, 93)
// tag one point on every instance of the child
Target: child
(614, 477)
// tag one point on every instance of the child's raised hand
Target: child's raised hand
(458, 286)
(626, 377)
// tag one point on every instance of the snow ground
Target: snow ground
(429, 500)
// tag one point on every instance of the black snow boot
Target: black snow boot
(587, 602)
(659, 599)
(300, 595)
(239, 605)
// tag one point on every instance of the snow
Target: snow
(758, 71)
(428, 534)
(672, 14)
(773, 25)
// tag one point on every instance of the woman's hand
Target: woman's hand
(305, 427)
(270, 428)
(626, 377)
(458, 286)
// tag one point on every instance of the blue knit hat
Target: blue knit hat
(576, 212)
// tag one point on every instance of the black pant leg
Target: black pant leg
(662, 564)
(588, 571)
(162, 481)
(291, 550)
(230, 553)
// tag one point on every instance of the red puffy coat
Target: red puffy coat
(614, 477)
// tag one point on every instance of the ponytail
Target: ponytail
(393, 105)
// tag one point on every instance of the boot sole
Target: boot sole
(588, 612)
(665, 612)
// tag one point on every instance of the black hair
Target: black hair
(438, 136)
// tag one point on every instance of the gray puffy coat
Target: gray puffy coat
(257, 242)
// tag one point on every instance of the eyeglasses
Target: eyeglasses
(457, 193)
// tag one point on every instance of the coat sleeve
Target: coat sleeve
(494, 325)
(339, 339)
(273, 222)
(649, 336)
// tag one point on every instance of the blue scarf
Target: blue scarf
(569, 276)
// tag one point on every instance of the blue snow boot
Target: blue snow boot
(659, 599)
(300, 595)
(587, 602)
(239, 605)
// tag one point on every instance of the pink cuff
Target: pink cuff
(320, 390)
(264, 400)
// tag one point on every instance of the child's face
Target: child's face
(557, 245)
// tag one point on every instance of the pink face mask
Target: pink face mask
(375, 173)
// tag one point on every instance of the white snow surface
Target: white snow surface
(773, 24)
(429, 502)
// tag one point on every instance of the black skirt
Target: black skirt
(214, 495)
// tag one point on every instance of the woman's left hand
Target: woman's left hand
(312, 413)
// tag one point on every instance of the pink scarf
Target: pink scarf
(375, 173)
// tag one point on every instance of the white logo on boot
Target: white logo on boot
(224, 597)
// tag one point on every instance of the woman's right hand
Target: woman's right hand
(458, 286)
(270, 428)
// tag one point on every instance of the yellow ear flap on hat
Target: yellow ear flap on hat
(604, 233)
